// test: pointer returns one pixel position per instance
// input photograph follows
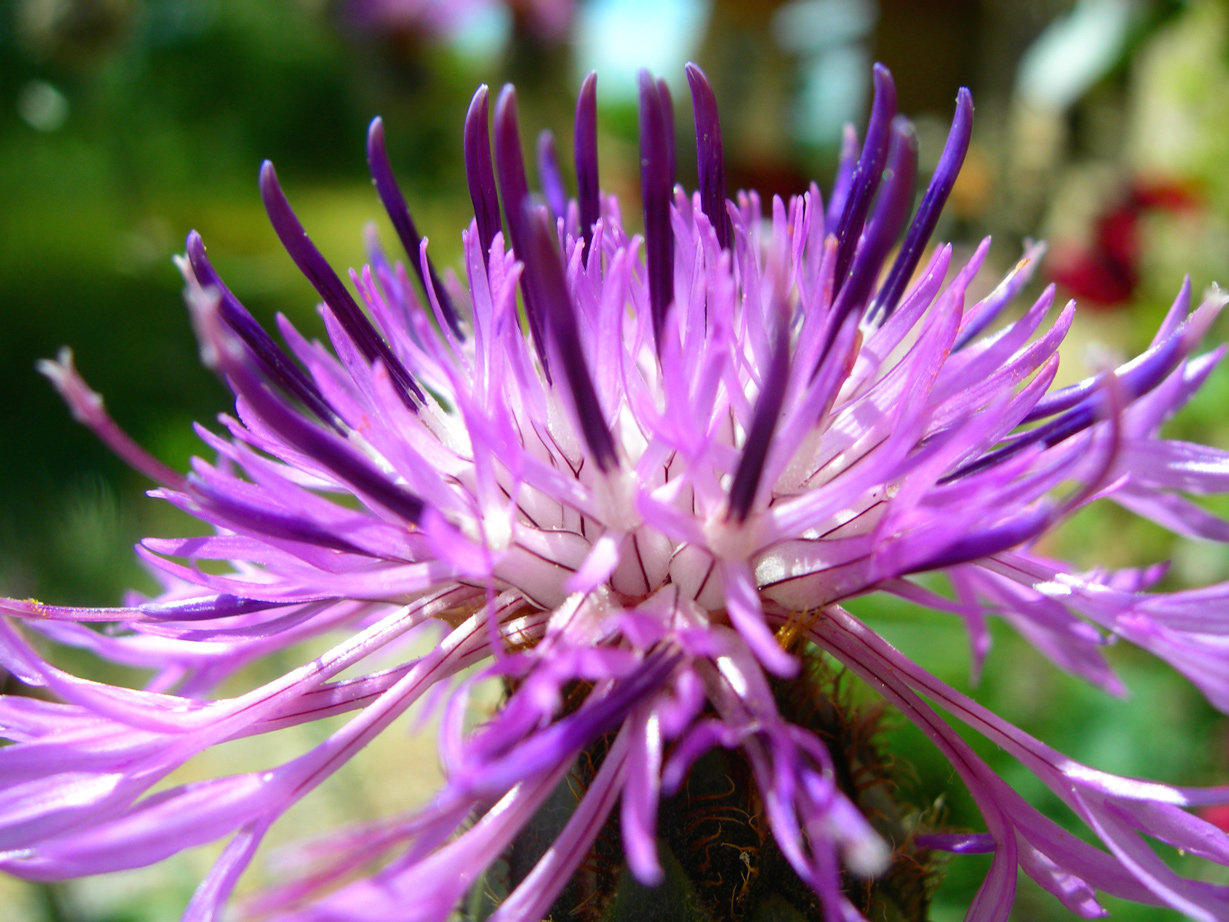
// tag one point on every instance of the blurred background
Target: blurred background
(1101, 126)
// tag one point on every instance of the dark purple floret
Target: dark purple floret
(243, 516)
(544, 276)
(197, 608)
(763, 425)
(960, 843)
(1135, 380)
(1132, 381)
(994, 540)
(510, 161)
(656, 185)
(886, 221)
(866, 174)
(403, 222)
(888, 217)
(550, 176)
(568, 735)
(978, 325)
(932, 206)
(667, 125)
(1145, 372)
(273, 360)
(325, 448)
(514, 193)
(710, 158)
(844, 177)
(588, 196)
(479, 173)
(223, 605)
(330, 287)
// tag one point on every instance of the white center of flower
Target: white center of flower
(615, 494)
(730, 540)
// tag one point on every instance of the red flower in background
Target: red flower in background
(1106, 272)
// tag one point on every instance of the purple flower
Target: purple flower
(639, 506)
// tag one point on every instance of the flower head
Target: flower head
(640, 504)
